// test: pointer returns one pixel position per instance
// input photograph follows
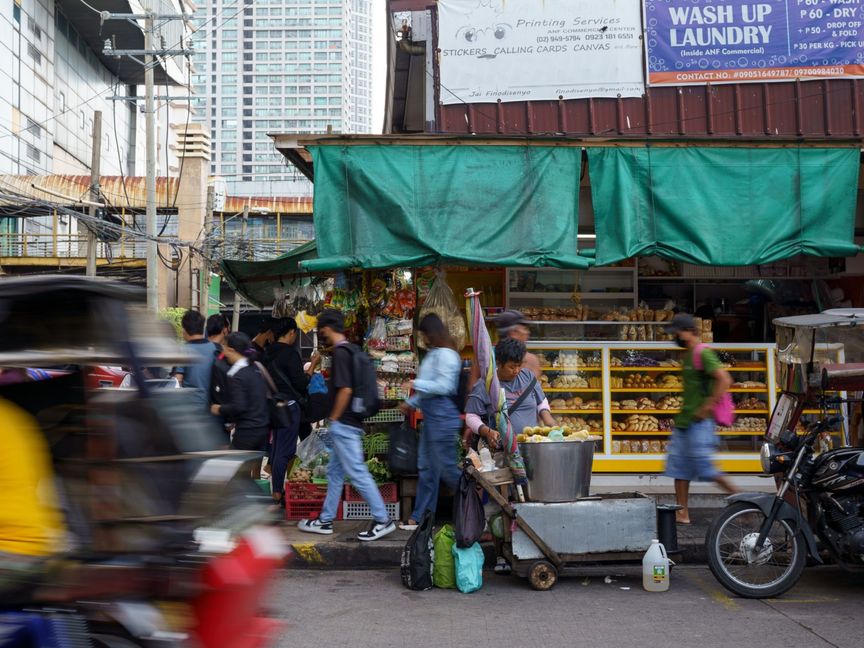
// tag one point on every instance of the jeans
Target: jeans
(436, 456)
(691, 452)
(346, 459)
(284, 450)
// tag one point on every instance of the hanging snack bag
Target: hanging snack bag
(442, 302)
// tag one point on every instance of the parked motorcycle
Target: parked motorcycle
(759, 545)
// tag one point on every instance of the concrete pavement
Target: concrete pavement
(371, 608)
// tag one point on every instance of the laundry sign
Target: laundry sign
(525, 50)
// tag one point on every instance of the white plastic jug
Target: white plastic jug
(655, 568)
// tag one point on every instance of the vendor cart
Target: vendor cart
(543, 541)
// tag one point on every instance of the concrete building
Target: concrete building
(287, 66)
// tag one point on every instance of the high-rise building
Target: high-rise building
(279, 66)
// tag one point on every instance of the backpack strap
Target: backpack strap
(697, 355)
(529, 390)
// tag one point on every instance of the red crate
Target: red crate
(303, 500)
(389, 493)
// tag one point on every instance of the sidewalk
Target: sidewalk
(342, 550)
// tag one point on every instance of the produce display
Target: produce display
(595, 425)
(546, 434)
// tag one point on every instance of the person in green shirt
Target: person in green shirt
(691, 450)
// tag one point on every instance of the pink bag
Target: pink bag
(724, 410)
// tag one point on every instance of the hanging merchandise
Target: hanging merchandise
(442, 303)
(469, 518)
(377, 337)
(282, 306)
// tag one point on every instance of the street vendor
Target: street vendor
(526, 402)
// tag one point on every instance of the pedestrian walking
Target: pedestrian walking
(246, 406)
(435, 395)
(286, 369)
(345, 433)
(197, 375)
(693, 443)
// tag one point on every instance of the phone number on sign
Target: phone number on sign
(789, 73)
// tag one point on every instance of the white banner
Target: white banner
(523, 50)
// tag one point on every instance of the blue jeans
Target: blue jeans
(436, 456)
(691, 452)
(346, 459)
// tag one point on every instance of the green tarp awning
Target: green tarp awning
(401, 206)
(723, 206)
(257, 280)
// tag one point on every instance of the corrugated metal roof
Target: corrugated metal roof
(116, 189)
(828, 109)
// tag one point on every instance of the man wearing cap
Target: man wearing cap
(513, 324)
(693, 443)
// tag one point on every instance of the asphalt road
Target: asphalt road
(371, 608)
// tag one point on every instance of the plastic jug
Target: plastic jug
(655, 568)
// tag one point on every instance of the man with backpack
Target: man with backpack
(706, 387)
(354, 389)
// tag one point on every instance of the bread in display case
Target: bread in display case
(630, 393)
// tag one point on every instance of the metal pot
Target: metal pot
(558, 471)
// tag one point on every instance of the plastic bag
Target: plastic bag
(417, 556)
(442, 302)
(312, 447)
(317, 385)
(444, 570)
(469, 568)
(377, 338)
(469, 519)
(403, 450)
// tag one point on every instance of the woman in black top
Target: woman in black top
(246, 402)
(286, 370)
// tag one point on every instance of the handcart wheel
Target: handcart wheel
(542, 575)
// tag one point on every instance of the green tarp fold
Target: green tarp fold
(723, 206)
(401, 206)
(256, 280)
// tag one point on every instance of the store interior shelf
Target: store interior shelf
(753, 369)
(569, 369)
(670, 412)
(574, 390)
(818, 411)
(644, 368)
(649, 390)
(576, 411)
(598, 322)
(748, 390)
(568, 295)
(626, 433)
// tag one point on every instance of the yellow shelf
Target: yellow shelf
(643, 433)
(566, 369)
(648, 390)
(645, 368)
(574, 390)
(748, 390)
(752, 369)
(758, 412)
(577, 411)
(817, 411)
(670, 412)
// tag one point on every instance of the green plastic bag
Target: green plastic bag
(444, 567)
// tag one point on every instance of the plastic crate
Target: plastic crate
(360, 510)
(380, 446)
(305, 491)
(386, 416)
(304, 500)
(389, 493)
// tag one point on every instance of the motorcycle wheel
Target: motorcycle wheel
(730, 545)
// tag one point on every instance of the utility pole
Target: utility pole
(235, 316)
(205, 266)
(150, 180)
(95, 174)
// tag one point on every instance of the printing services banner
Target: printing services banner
(736, 41)
(524, 50)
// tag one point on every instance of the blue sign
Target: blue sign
(735, 41)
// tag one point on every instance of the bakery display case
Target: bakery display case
(629, 393)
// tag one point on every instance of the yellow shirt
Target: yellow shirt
(30, 521)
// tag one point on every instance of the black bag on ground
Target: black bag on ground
(469, 520)
(403, 450)
(417, 556)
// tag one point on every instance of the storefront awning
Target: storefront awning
(724, 206)
(380, 206)
(258, 281)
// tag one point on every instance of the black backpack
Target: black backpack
(364, 398)
(418, 556)
(460, 398)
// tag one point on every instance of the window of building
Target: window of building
(34, 53)
(229, 56)
(229, 146)
(33, 153)
(229, 157)
(229, 67)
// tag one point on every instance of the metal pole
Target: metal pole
(95, 162)
(235, 315)
(150, 180)
(205, 264)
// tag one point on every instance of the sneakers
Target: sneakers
(316, 526)
(377, 531)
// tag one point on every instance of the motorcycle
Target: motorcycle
(760, 544)
(169, 541)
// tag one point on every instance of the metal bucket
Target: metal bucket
(558, 471)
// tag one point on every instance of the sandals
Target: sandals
(502, 567)
(408, 526)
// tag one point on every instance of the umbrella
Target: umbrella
(485, 357)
